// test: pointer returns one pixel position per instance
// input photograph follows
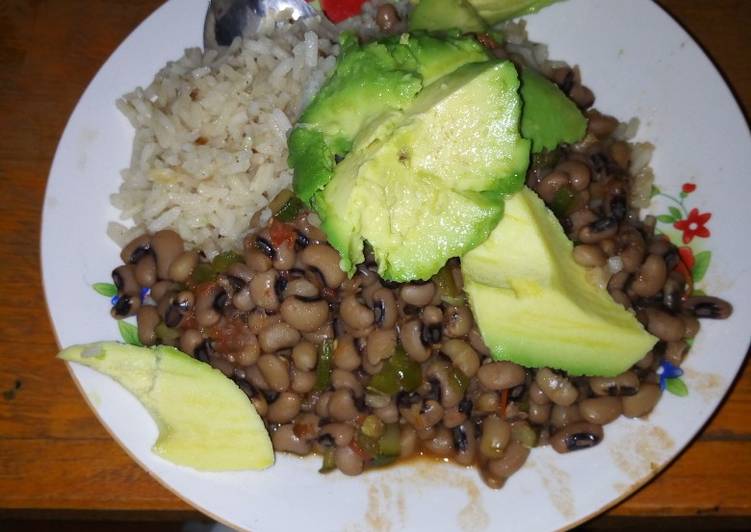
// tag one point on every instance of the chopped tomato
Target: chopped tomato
(281, 232)
(189, 320)
(229, 335)
(359, 451)
(339, 10)
(503, 403)
(304, 430)
(683, 270)
(204, 288)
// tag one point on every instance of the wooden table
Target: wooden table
(56, 461)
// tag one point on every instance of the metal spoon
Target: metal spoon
(227, 19)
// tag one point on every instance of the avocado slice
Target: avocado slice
(495, 11)
(534, 305)
(368, 81)
(439, 54)
(550, 117)
(470, 15)
(205, 421)
(430, 186)
(436, 15)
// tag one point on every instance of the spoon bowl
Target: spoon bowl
(227, 19)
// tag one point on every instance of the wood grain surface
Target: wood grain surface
(54, 455)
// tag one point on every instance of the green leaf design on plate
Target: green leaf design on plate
(129, 332)
(677, 387)
(701, 265)
(654, 191)
(676, 213)
(105, 289)
(683, 195)
(665, 218)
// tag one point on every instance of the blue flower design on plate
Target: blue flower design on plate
(670, 379)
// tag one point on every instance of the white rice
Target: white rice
(210, 145)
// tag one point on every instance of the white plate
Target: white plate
(639, 63)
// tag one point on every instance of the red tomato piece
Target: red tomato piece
(683, 270)
(229, 335)
(359, 451)
(339, 10)
(281, 232)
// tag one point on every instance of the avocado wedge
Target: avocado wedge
(534, 305)
(550, 117)
(205, 421)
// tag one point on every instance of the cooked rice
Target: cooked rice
(210, 145)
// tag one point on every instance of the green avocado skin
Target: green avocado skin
(550, 117)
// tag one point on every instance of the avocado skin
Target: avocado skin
(534, 305)
(368, 81)
(550, 117)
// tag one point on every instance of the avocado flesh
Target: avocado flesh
(534, 305)
(412, 222)
(368, 81)
(550, 117)
(205, 421)
(436, 15)
(495, 11)
(432, 188)
(439, 54)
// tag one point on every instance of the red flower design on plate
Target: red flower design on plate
(688, 188)
(694, 225)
